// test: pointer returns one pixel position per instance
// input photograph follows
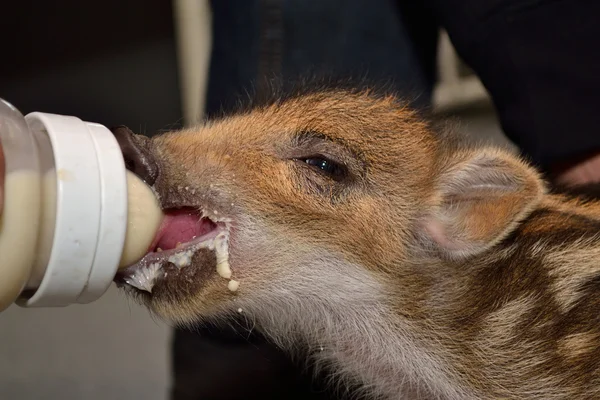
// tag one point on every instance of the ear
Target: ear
(481, 196)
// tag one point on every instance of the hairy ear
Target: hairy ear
(481, 196)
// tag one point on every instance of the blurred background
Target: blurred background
(142, 63)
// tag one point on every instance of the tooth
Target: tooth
(178, 245)
(158, 250)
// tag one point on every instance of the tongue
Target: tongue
(181, 226)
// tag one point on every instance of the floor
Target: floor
(46, 353)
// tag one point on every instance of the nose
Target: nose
(138, 158)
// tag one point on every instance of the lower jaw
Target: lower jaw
(181, 272)
(173, 286)
(177, 265)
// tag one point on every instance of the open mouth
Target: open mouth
(183, 232)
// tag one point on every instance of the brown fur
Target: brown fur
(432, 270)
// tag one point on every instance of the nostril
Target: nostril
(137, 157)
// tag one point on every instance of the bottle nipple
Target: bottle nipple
(144, 217)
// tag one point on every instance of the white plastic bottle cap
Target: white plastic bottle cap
(91, 214)
(113, 213)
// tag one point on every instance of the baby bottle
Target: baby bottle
(72, 215)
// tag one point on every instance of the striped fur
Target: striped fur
(433, 269)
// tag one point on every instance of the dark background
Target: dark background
(112, 62)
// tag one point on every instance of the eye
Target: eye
(326, 166)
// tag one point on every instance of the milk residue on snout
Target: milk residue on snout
(223, 267)
(222, 247)
(144, 277)
(233, 285)
(183, 259)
